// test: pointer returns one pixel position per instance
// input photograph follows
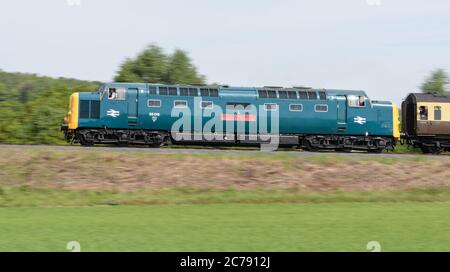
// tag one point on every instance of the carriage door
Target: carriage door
(132, 107)
(341, 112)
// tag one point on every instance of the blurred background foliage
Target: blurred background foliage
(437, 82)
(32, 107)
(154, 65)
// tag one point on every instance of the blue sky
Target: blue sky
(385, 47)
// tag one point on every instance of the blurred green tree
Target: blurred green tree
(153, 66)
(180, 70)
(436, 83)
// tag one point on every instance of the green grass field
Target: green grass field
(137, 201)
(229, 227)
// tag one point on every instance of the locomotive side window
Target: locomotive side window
(180, 104)
(356, 101)
(206, 105)
(321, 108)
(270, 107)
(437, 113)
(423, 113)
(295, 107)
(116, 93)
(154, 103)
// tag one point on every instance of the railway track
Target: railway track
(204, 150)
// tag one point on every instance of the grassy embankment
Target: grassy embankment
(124, 201)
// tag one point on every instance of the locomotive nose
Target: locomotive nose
(395, 122)
(72, 115)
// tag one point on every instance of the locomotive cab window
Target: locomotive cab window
(116, 93)
(356, 101)
(437, 113)
(423, 113)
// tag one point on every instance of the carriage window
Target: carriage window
(151, 90)
(154, 103)
(303, 95)
(296, 107)
(180, 104)
(356, 101)
(117, 93)
(321, 108)
(437, 113)
(172, 91)
(206, 105)
(193, 92)
(292, 95)
(282, 95)
(184, 92)
(270, 107)
(423, 113)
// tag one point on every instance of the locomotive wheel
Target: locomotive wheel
(84, 142)
(307, 146)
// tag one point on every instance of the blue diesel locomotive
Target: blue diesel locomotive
(150, 114)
